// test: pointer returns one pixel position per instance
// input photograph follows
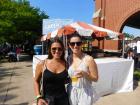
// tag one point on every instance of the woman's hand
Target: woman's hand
(41, 102)
(81, 73)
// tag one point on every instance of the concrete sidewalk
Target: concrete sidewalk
(16, 87)
(129, 98)
(16, 83)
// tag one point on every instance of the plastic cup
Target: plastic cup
(75, 78)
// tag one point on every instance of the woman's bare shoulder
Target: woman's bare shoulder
(89, 58)
(41, 64)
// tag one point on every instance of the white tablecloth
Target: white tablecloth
(36, 60)
(115, 74)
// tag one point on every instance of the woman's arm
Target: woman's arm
(37, 78)
(93, 71)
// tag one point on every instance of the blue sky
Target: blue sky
(78, 10)
(81, 10)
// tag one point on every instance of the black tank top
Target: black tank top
(54, 83)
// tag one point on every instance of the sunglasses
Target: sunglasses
(56, 48)
(77, 43)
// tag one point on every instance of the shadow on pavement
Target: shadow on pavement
(25, 57)
(4, 88)
(5, 81)
(3, 99)
(4, 72)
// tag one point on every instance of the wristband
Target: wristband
(38, 97)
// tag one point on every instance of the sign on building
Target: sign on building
(50, 25)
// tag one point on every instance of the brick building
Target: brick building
(114, 15)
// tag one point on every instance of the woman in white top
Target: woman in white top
(82, 71)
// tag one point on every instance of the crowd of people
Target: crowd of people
(12, 52)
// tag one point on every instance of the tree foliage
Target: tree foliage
(19, 22)
(127, 35)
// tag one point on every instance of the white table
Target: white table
(36, 60)
(115, 74)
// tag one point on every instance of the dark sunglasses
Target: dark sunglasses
(77, 43)
(56, 48)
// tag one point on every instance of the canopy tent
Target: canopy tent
(83, 29)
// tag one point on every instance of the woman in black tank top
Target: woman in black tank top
(54, 77)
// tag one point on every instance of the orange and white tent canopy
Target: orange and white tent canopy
(83, 29)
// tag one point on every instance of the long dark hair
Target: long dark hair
(75, 34)
(56, 40)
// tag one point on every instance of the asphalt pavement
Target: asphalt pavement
(16, 86)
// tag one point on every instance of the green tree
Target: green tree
(130, 36)
(19, 22)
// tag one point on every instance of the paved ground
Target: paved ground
(16, 83)
(16, 87)
(129, 98)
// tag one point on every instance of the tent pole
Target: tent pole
(123, 42)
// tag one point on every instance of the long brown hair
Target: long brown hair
(56, 40)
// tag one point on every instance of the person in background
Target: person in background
(18, 52)
(82, 71)
(53, 72)
(130, 54)
(135, 57)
